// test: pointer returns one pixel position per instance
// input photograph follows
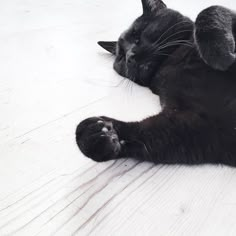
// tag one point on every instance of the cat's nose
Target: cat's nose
(130, 58)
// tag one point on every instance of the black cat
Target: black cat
(191, 66)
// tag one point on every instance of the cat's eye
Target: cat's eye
(119, 58)
(134, 33)
(120, 55)
(136, 36)
(121, 51)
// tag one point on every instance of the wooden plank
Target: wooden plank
(53, 76)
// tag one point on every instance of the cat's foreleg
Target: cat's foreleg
(214, 37)
(173, 138)
(103, 139)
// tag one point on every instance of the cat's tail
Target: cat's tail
(215, 31)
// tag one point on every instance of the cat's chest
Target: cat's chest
(178, 71)
(194, 83)
(172, 77)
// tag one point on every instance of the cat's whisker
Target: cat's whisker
(127, 85)
(131, 85)
(145, 146)
(179, 32)
(123, 80)
(128, 81)
(176, 43)
(182, 22)
(159, 49)
(164, 54)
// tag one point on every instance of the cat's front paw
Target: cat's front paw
(97, 139)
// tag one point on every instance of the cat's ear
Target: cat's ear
(152, 6)
(110, 46)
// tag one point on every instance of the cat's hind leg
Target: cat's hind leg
(214, 37)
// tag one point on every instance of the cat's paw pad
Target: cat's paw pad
(97, 139)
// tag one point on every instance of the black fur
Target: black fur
(214, 29)
(191, 66)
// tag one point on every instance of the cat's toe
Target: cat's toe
(97, 139)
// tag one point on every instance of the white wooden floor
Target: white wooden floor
(53, 75)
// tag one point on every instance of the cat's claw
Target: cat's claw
(97, 139)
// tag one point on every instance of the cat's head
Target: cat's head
(153, 36)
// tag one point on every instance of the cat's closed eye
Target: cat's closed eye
(135, 36)
(121, 53)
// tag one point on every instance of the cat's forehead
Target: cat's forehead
(150, 25)
(142, 22)
(138, 25)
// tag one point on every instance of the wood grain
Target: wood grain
(53, 76)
